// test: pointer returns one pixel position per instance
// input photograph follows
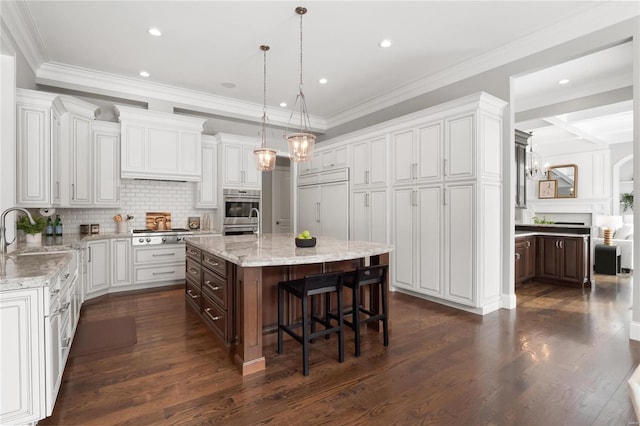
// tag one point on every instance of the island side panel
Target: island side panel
(249, 355)
(375, 302)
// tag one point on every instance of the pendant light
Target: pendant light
(301, 143)
(533, 168)
(265, 157)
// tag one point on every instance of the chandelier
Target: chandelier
(301, 143)
(265, 157)
(533, 169)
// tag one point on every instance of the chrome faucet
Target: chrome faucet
(258, 216)
(3, 230)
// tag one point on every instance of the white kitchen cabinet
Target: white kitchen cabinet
(106, 164)
(22, 394)
(239, 168)
(97, 264)
(325, 159)
(59, 165)
(323, 204)
(33, 113)
(81, 161)
(447, 204)
(159, 145)
(312, 166)
(121, 262)
(158, 265)
(369, 163)
(207, 196)
(369, 215)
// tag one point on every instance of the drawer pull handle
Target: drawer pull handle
(65, 276)
(65, 307)
(164, 273)
(163, 254)
(208, 312)
(213, 288)
(193, 296)
(193, 271)
(192, 251)
(66, 342)
(213, 262)
(54, 292)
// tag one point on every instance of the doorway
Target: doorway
(276, 198)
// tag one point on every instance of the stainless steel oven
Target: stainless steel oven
(238, 205)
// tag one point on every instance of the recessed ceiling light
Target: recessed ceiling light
(228, 85)
(283, 104)
(323, 81)
(144, 73)
(563, 81)
(155, 32)
(385, 43)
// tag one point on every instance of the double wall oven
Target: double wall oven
(239, 217)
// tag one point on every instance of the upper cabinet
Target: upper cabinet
(369, 164)
(207, 196)
(106, 164)
(325, 159)
(159, 145)
(55, 150)
(237, 167)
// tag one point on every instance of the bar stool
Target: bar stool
(306, 289)
(374, 276)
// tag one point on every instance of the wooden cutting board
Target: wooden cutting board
(151, 220)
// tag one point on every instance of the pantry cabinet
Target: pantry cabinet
(323, 204)
(369, 215)
(159, 145)
(369, 163)
(207, 196)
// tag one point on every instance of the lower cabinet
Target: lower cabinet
(563, 259)
(209, 291)
(525, 259)
(158, 264)
(97, 265)
(121, 262)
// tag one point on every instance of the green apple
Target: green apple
(306, 235)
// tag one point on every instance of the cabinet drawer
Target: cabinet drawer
(194, 253)
(193, 295)
(159, 273)
(193, 270)
(215, 287)
(164, 254)
(215, 264)
(216, 317)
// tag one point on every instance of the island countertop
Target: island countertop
(280, 249)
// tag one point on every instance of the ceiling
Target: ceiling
(584, 129)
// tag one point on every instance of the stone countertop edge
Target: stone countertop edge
(280, 249)
(31, 271)
(521, 234)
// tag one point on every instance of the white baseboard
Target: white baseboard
(634, 330)
(508, 301)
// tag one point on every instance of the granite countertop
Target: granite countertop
(30, 270)
(520, 234)
(280, 249)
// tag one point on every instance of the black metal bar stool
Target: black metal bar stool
(374, 276)
(306, 289)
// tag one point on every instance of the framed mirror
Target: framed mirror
(567, 177)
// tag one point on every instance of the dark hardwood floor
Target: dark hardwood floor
(562, 357)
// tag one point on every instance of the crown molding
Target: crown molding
(591, 20)
(103, 83)
(18, 21)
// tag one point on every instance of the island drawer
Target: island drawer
(193, 270)
(194, 253)
(216, 317)
(215, 264)
(215, 287)
(193, 294)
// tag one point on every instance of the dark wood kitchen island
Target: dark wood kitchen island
(232, 283)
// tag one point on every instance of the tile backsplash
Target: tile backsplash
(137, 197)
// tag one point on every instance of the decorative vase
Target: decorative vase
(34, 239)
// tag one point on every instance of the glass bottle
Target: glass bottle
(58, 226)
(48, 229)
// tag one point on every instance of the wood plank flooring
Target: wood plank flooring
(562, 357)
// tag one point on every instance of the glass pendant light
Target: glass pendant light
(301, 143)
(533, 169)
(265, 157)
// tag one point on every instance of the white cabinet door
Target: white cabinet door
(163, 150)
(333, 158)
(53, 358)
(34, 149)
(133, 161)
(429, 240)
(22, 396)
(460, 149)
(190, 151)
(121, 262)
(97, 268)
(81, 161)
(360, 219)
(360, 164)
(377, 204)
(251, 175)
(106, 170)
(334, 210)
(460, 214)
(429, 152)
(403, 157)
(208, 187)
(232, 159)
(309, 209)
(378, 162)
(403, 234)
(57, 159)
